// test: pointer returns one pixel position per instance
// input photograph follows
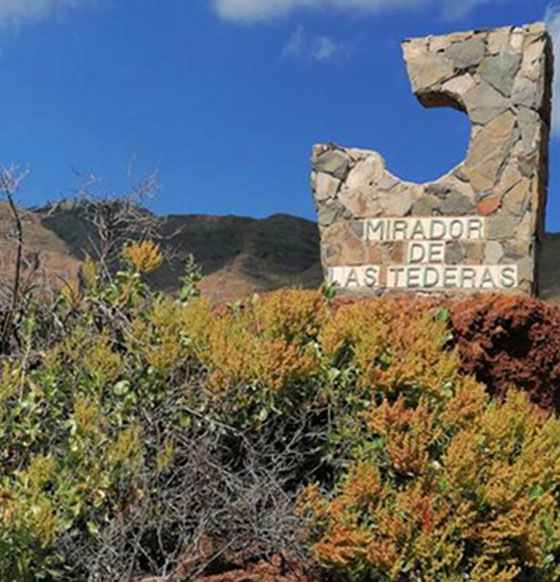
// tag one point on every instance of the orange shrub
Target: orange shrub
(266, 341)
(461, 488)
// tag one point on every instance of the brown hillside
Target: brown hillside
(237, 255)
(549, 272)
(45, 253)
(242, 255)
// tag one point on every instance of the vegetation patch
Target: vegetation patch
(287, 437)
(511, 341)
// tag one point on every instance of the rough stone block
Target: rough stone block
(332, 161)
(467, 53)
(500, 71)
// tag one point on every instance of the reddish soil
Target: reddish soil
(273, 570)
(265, 571)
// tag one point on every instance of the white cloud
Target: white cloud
(316, 48)
(295, 44)
(454, 10)
(15, 12)
(553, 22)
(256, 10)
(324, 48)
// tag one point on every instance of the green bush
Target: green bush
(123, 411)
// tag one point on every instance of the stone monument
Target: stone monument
(478, 228)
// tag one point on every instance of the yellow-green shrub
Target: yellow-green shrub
(393, 348)
(462, 488)
(267, 342)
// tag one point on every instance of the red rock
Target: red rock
(489, 204)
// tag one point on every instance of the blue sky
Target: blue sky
(224, 98)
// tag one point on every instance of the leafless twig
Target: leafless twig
(11, 178)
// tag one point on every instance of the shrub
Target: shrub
(458, 488)
(137, 431)
(132, 427)
(510, 341)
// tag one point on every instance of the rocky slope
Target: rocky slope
(243, 255)
(549, 269)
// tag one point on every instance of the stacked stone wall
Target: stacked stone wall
(502, 80)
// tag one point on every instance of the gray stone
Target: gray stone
(336, 233)
(357, 154)
(331, 250)
(429, 70)
(499, 41)
(467, 53)
(459, 36)
(387, 182)
(458, 86)
(439, 190)
(394, 252)
(528, 164)
(516, 200)
(526, 228)
(500, 70)
(464, 188)
(526, 268)
(457, 204)
(357, 227)
(328, 214)
(494, 252)
(454, 252)
(426, 206)
(484, 103)
(532, 58)
(326, 186)
(414, 48)
(365, 172)
(397, 203)
(516, 40)
(438, 44)
(510, 176)
(500, 225)
(460, 174)
(332, 162)
(488, 150)
(515, 249)
(540, 87)
(525, 93)
(361, 202)
(353, 250)
(475, 252)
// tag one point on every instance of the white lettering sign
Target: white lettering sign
(442, 228)
(426, 241)
(422, 276)
(426, 252)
